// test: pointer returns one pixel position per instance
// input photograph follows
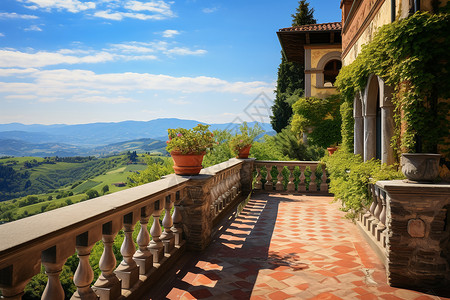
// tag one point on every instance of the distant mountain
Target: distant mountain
(97, 134)
(10, 147)
(70, 140)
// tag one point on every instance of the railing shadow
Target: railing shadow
(230, 265)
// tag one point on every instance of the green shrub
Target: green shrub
(349, 178)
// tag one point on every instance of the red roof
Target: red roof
(315, 27)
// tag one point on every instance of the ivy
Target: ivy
(412, 56)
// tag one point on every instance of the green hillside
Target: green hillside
(100, 175)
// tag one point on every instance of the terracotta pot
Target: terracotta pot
(244, 152)
(187, 164)
(420, 167)
(331, 150)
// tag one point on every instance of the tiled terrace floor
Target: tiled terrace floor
(286, 247)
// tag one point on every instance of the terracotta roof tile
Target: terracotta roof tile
(315, 27)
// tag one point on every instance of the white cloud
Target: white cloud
(11, 58)
(20, 97)
(73, 6)
(185, 51)
(17, 16)
(169, 33)
(115, 10)
(1, 34)
(33, 28)
(209, 10)
(87, 86)
(158, 7)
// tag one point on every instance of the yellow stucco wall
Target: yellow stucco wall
(384, 17)
(317, 54)
(320, 92)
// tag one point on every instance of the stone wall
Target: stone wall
(418, 254)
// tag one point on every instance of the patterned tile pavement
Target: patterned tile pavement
(286, 247)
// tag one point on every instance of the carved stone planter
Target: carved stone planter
(420, 167)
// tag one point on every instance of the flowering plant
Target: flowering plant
(190, 141)
(245, 138)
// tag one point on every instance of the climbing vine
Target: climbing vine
(412, 55)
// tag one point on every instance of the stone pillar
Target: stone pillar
(370, 128)
(247, 176)
(387, 131)
(196, 212)
(417, 234)
(358, 138)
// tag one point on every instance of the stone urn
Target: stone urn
(420, 167)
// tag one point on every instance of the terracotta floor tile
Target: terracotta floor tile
(279, 295)
(282, 247)
(326, 296)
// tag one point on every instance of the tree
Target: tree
(105, 189)
(291, 75)
(304, 14)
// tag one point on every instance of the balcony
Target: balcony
(288, 240)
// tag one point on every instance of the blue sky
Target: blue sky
(84, 61)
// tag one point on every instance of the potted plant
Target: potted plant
(332, 149)
(187, 148)
(241, 143)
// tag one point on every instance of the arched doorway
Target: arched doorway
(331, 71)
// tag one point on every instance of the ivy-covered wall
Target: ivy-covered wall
(412, 55)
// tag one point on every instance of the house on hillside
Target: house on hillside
(318, 47)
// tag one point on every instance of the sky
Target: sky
(85, 61)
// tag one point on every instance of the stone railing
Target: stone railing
(290, 177)
(408, 224)
(48, 239)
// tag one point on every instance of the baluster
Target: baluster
(279, 185)
(234, 185)
(156, 246)
(268, 186)
(108, 286)
(227, 188)
(14, 277)
(301, 179)
(167, 236)
(177, 227)
(258, 183)
(313, 184)
(323, 184)
(84, 275)
(291, 185)
(382, 216)
(53, 263)
(128, 271)
(368, 214)
(373, 221)
(143, 257)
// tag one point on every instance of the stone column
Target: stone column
(358, 137)
(387, 131)
(247, 176)
(370, 128)
(196, 212)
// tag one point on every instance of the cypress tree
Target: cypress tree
(291, 75)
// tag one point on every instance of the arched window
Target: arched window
(330, 71)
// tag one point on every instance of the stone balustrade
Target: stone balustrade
(48, 239)
(290, 177)
(408, 225)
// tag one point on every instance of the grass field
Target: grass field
(50, 172)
